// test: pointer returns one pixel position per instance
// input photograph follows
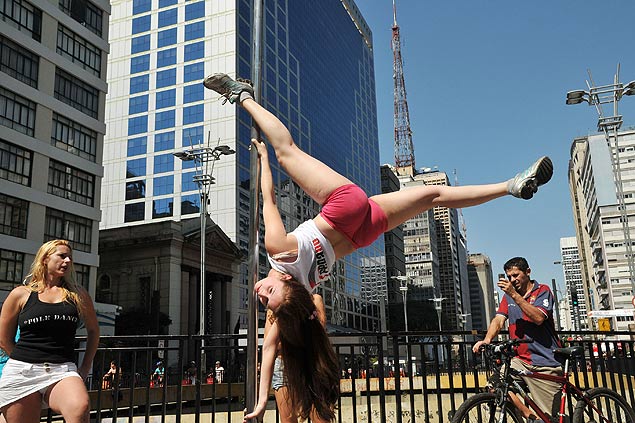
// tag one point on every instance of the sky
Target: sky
(486, 82)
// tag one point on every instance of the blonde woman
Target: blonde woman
(41, 369)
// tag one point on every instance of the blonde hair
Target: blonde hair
(35, 280)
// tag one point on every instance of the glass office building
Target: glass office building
(318, 78)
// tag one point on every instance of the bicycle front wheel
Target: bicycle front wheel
(481, 408)
(607, 407)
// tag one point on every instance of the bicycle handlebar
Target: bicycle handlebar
(505, 346)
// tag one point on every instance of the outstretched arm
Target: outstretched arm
(92, 339)
(276, 238)
(269, 349)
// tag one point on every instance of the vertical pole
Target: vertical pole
(556, 305)
(251, 396)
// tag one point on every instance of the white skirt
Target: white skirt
(20, 379)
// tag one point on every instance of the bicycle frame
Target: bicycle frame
(567, 388)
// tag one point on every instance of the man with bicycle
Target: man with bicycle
(528, 305)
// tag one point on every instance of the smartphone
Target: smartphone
(502, 276)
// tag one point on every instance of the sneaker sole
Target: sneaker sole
(544, 172)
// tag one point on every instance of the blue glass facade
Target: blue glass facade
(299, 77)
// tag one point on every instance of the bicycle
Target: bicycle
(596, 405)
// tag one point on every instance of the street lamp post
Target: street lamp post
(202, 156)
(403, 287)
(437, 306)
(597, 96)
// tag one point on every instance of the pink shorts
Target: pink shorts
(349, 211)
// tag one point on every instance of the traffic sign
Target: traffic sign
(611, 313)
(604, 324)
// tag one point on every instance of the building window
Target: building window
(135, 168)
(162, 208)
(138, 125)
(135, 190)
(194, 72)
(164, 141)
(140, 63)
(164, 120)
(163, 185)
(60, 225)
(89, 14)
(192, 93)
(76, 93)
(192, 136)
(194, 31)
(195, 10)
(194, 51)
(18, 62)
(70, 183)
(11, 267)
(15, 163)
(134, 212)
(163, 163)
(166, 78)
(168, 17)
(138, 104)
(140, 44)
(141, 24)
(166, 99)
(22, 15)
(103, 293)
(17, 112)
(166, 38)
(139, 84)
(78, 50)
(74, 138)
(190, 204)
(166, 58)
(187, 182)
(193, 114)
(166, 3)
(137, 146)
(83, 274)
(14, 214)
(141, 6)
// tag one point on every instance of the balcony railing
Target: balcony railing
(384, 378)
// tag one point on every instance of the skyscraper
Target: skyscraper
(160, 52)
(481, 281)
(576, 293)
(52, 94)
(598, 222)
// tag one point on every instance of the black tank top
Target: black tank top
(47, 332)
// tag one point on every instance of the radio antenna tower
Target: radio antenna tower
(404, 151)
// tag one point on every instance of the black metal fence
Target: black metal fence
(386, 377)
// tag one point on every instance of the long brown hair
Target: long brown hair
(310, 363)
(36, 277)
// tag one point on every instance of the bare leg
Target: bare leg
(69, 398)
(314, 177)
(400, 206)
(24, 410)
(285, 408)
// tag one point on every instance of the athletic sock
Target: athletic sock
(244, 96)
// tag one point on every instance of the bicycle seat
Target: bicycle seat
(570, 351)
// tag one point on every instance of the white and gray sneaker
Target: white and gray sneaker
(525, 184)
(224, 85)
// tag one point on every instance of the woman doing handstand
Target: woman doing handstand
(348, 220)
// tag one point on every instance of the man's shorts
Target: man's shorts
(541, 391)
(350, 212)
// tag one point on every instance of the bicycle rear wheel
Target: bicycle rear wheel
(612, 408)
(481, 408)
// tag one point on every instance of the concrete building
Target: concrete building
(52, 106)
(481, 283)
(160, 52)
(436, 254)
(600, 235)
(574, 288)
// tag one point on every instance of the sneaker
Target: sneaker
(224, 85)
(534, 419)
(525, 184)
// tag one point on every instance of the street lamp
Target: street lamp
(597, 96)
(437, 306)
(403, 287)
(202, 156)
